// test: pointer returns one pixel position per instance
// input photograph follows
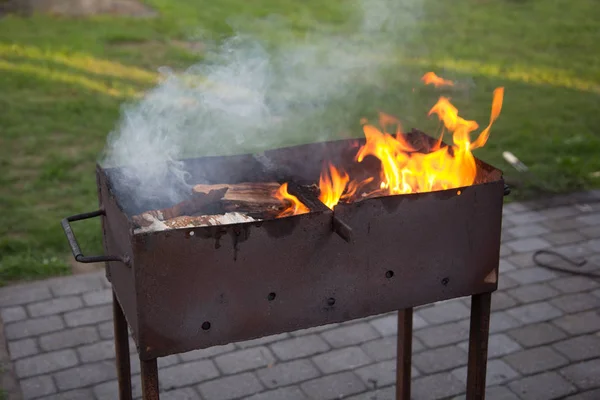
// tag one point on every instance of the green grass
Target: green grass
(62, 82)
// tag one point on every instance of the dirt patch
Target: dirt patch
(81, 8)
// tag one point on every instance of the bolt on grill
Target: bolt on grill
(197, 287)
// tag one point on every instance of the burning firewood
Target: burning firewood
(155, 225)
(187, 207)
(246, 192)
(252, 198)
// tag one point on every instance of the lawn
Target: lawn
(63, 81)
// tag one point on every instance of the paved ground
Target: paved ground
(544, 343)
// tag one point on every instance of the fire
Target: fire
(295, 206)
(332, 185)
(404, 169)
(431, 78)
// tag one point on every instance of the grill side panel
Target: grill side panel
(202, 287)
(117, 241)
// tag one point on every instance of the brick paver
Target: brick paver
(544, 334)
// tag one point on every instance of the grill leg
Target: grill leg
(403, 360)
(149, 379)
(478, 345)
(122, 351)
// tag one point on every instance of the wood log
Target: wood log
(252, 194)
(187, 207)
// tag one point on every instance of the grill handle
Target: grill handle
(75, 246)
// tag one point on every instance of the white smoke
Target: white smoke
(246, 95)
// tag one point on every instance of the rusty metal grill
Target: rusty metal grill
(193, 288)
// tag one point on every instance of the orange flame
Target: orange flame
(404, 169)
(332, 185)
(294, 206)
(431, 78)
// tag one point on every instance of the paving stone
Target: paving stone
(573, 284)
(180, 394)
(378, 375)
(386, 326)
(299, 347)
(527, 244)
(502, 301)
(341, 360)
(54, 306)
(588, 395)
(585, 375)
(79, 394)
(333, 386)
(442, 335)
(23, 294)
(590, 219)
(314, 329)
(560, 212)
(436, 386)
(525, 218)
(418, 322)
(497, 372)
(564, 237)
(500, 321)
(205, 353)
(506, 283)
(547, 386)
(108, 390)
(288, 373)
(576, 251)
(98, 297)
(33, 327)
(533, 293)
(500, 393)
(387, 393)
(77, 284)
(505, 250)
(533, 361)
(537, 334)
(13, 314)
(535, 312)
(230, 387)
(526, 276)
(69, 338)
(22, 348)
(579, 348)
(440, 359)
(45, 363)
(498, 345)
(106, 330)
(522, 260)
(88, 316)
(506, 266)
(562, 224)
(291, 393)
(506, 236)
(350, 335)
(591, 232)
(385, 348)
(37, 386)
(445, 312)
(580, 323)
(527, 230)
(188, 373)
(262, 341)
(576, 302)
(243, 360)
(104, 350)
(85, 375)
(513, 208)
